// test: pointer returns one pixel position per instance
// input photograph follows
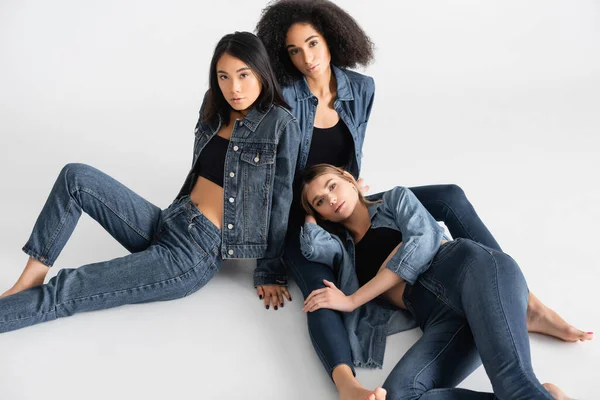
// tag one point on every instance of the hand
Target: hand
(273, 295)
(330, 297)
(364, 189)
(310, 219)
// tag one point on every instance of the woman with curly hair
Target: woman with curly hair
(312, 43)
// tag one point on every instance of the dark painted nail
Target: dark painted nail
(281, 305)
(267, 307)
(290, 298)
(275, 308)
(260, 296)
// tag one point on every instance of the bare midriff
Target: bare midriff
(208, 198)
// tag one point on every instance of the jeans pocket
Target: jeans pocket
(444, 251)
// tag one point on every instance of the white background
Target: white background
(500, 97)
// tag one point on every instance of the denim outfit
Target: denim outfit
(368, 326)
(175, 251)
(448, 203)
(468, 299)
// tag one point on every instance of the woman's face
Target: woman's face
(308, 50)
(238, 83)
(333, 196)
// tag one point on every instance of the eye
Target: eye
(293, 52)
(318, 204)
(313, 43)
(244, 75)
(332, 186)
(222, 77)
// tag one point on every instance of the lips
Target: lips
(338, 208)
(312, 68)
(237, 99)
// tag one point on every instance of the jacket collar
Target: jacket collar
(251, 120)
(344, 93)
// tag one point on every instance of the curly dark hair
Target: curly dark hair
(348, 43)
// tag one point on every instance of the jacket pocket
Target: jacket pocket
(258, 167)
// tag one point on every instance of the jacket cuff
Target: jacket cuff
(264, 279)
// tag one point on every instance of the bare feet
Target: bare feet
(556, 392)
(542, 319)
(350, 388)
(360, 393)
(33, 275)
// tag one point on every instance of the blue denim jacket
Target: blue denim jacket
(368, 325)
(353, 104)
(259, 169)
(355, 93)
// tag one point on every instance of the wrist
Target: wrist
(353, 302)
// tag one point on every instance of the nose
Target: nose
(308, 57)
(332, 200)
(237, 86)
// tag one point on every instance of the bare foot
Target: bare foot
(33, 275)
(360, 393)
(556, 392)
(542, 319)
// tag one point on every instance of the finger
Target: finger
(260, 292)
(279, 299)
(315, 300)
(314, 293)
(286, 293)
(267, 299)
(329, 284)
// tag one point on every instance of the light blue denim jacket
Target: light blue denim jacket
(259, 168)
(368, 325)
(353, 104)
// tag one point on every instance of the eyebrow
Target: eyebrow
(307, 39)
(315, 198)
(220, 71)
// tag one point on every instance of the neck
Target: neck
(323, 85)
(358, 222)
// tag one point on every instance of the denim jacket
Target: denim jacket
(257, 185)
(368, 325)
(353, 104)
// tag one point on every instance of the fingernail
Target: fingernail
(267, 307)
(275, 307)
(260, 296)
(290, 298)
(281, 305)
(590, 333)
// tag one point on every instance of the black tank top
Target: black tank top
(211, 162)
(372, 250)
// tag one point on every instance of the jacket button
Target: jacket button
(230, 226)
(231, 199)
(315, 100)
(230, 252)
(235, 148)
(231, 174)
(256, 159)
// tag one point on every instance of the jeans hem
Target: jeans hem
(36, 256)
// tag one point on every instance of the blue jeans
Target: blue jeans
(174, 251)
(446, 203)
(471, 303)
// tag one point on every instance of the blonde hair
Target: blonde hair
(313, 172)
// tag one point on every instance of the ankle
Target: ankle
(344, 378)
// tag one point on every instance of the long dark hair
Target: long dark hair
(248, 48)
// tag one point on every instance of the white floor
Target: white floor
(501, 98)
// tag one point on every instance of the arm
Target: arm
(421, 234)
(319, 245)
(270, 269)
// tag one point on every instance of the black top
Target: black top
(329, 145)
(211, 162)
(372, 250)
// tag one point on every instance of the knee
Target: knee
(454, 196)
(71, 172)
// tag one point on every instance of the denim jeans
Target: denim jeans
(446, 203)
(470, 303)
(174, 251)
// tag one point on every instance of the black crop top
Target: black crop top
(211, 162)
(372, 250)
